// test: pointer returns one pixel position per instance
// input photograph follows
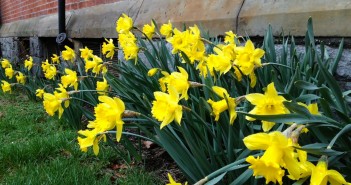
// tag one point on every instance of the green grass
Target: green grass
(37, 149)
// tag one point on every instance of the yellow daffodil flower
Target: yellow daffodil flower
(321, 175)
(5, 86)
(50, 72)
(172, 181)
(166, 29)
(227, 103)
(124, 24)
(178, 80)
(68, 54)
(179, 40)
(312, 108)
(45, 65)
(28, 63)
(85, 52)
(55, 59)
(62, 94)
(125, 39)
(279, 153)
(248, 58)
(9, 72)
(222, 63)
(91, 138)
(153, 71)
(95, 63)
(39, 93)
(229, 37)
(108, 48)
(102, 87)
(269, 103)
(52, 104)
(5, 63)
(21, 78)
(165, 107)
(109, 113)
(70, 79)
(189, 42)
(128, 43)
(131, 52)
(205, 66)
(149, 30)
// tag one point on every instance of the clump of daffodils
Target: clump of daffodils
(281, 157)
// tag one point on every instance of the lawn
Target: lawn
(38, 149)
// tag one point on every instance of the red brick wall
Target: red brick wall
(13, 10)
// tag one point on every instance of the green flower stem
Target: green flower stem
(74, 98)
(210, 43)
(277, 64)
(219, 171)
(126, 133)
(87, 76)
(78, 91)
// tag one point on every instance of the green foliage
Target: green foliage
(213, 151)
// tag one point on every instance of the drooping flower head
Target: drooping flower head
(269, 103)
(108, 48)
(52, 104)
(149, 30)
(124, 24)
(229, 37)
(28, 63)
(227, 103)
(172, 181)
(55, 59)
(68, 54)
(165, 107)
(188, 42)
(102, 87)
(95, 63)
(166, 29)
(248, 58)
(279, 154)
(221, 62)
(70, 79)
(206, 65)
(5, 63)
(321, 175)
(153, 71)
(5, 86)
(108, 115)
(45, 65)
(85, 52)
(9, 72)
(21, 78)
(128, 43)
(50, 72)
(39, 93)
(179, 40)
(177, 80)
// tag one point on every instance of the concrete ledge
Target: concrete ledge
(246, 17)
(217, 16)
(330, 18)
(100, 21)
